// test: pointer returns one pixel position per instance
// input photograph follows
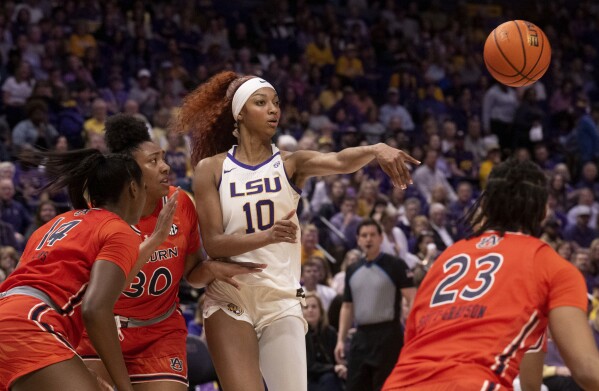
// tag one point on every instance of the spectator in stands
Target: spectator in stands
(310, 245)
(460, 206)
(529, 114)
(426, 177)
(588, 178)
(493, 158)
(81, 39)
(581, 260)
(35, 132)
(70, 122)
(580, 233)
(144, 94)
(331, 94)
(114, 95)
(318, 52)
(585, 198)
(394, 109)
(552, 232)
(99, 114)
(443, 232)
(13, 212)
(8, 236)
(46, 211)
(499, 106)
(542, 157)
(565, 249)
(15, 91)
(324, 374)
(346, 223)
(412, 207)
(586, 132)
(351, 257)
(312, 285)
(349, 65)
(177, 156)
(394, 240)
(9, 258)
(473, 140)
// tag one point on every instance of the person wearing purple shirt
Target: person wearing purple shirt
(13, 212)
(346, 222)
(580, 232)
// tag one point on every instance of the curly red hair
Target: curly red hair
(206, 115)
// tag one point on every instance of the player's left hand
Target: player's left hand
(393, 162)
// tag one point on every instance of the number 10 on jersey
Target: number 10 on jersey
(264, 213)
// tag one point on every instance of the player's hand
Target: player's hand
(224, 270)
(283, 230)
(165, 218)
(393, 162)
(340, 352)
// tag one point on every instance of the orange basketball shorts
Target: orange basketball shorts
(152, 353)
(33, 336)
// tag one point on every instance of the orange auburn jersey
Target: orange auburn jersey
(155, 288)
(59, 256)
(481, 306)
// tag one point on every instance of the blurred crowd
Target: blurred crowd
(348, 72)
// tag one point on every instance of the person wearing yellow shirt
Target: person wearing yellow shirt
(319, 52)
(493, 158)
(80, 40)
(96, 123)
(349, 65)
(310, 243)
(332, 94)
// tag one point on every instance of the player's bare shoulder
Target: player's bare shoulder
(210, 168)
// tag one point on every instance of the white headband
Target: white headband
(244, 92)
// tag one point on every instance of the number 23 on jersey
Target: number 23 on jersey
(458, 284)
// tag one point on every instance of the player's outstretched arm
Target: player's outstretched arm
(572, 335)
(304, 164)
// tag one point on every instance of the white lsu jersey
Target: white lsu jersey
(252, 198)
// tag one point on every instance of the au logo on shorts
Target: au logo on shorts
(234, 309)
(177, 364)
(174, 230)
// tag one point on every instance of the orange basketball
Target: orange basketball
(517, 53)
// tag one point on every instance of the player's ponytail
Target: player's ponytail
(88, 172)
(206, 115)
(515, 200)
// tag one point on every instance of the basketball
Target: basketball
(517, 53)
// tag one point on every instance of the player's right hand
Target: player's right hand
(165, 218)
(283, 230)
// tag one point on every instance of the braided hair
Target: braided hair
(515, 199)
